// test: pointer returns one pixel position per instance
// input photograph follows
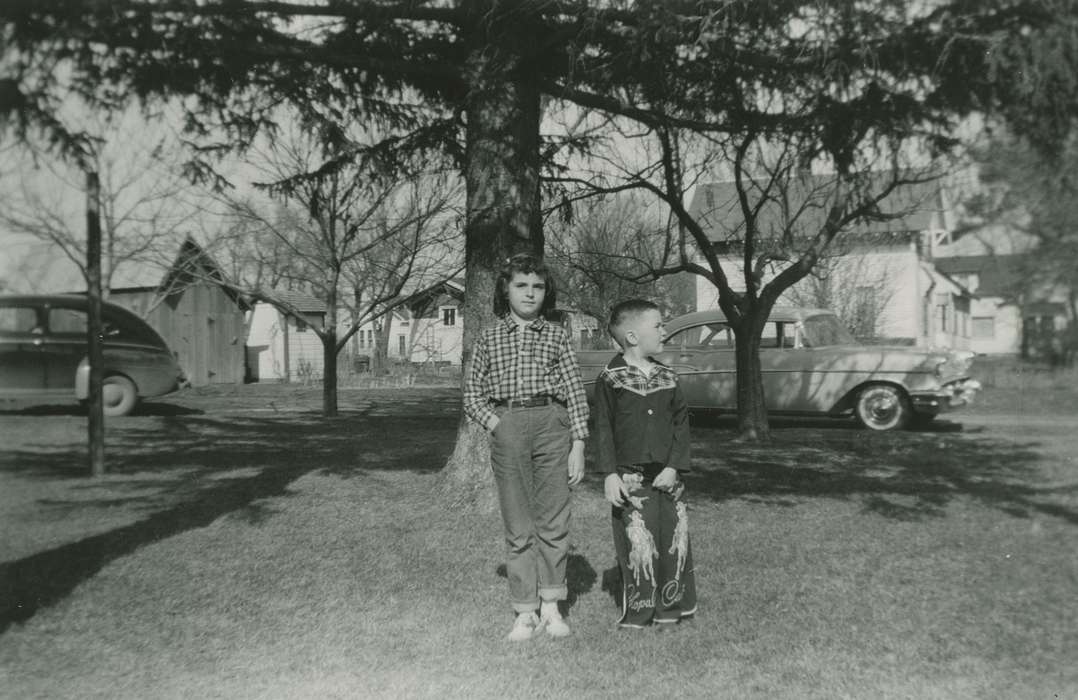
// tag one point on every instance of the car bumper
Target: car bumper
(954, 395)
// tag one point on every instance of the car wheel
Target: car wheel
(119, 395)
(882, 407)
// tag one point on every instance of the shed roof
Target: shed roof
(299, 301)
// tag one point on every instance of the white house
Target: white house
(881, 275)
(1009, 315)
(428, 329)
(283, 346)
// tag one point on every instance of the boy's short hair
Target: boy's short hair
(524, 263)
(624, 312)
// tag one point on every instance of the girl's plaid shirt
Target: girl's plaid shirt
(519, 362)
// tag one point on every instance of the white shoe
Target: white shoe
(523, 627)
(553, 621)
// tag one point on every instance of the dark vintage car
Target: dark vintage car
(43, 353)
(811, 366)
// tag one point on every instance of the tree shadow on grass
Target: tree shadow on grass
(901, 475)
(186, 472)
(146, 408)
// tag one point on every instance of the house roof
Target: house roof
(454, 287)
(805, 201)
(191, 264)
(303, 303)
(997, 275)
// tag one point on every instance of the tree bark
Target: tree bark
(752, 420)
(502, 208)
(94, 400)
(329, 372)
(328, 336)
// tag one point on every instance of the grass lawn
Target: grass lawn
(244, 548)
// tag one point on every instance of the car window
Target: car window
(780, 334)
(709, 336)
(18, 319)
(825, 329)
(789, 335)
(130, 329)
(68, 321)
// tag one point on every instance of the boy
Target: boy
(642, 444)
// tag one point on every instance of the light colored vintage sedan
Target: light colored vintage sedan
(811, 366)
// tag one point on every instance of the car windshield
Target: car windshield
(825, 329)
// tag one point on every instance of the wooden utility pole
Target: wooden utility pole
(95, 336)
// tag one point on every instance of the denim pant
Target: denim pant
(529, 453)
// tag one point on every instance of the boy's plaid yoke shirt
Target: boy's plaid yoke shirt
(640, 418)
(514, 362)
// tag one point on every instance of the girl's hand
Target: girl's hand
(666, 480)
(576, 462)
(614, 490)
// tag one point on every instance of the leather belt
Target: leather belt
(533, 402)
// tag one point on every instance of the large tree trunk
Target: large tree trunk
(502, 206)
(752, 422)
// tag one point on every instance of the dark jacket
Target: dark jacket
(640, 419)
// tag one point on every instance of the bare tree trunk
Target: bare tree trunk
(380, 352)
(94, 399)
(752, 421)
(329, 356)
(329, 372)
(503, 204)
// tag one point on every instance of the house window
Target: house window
(449, 316)
(400, 345)
(301, 325)
(942, 305)
(984, 327)
(359, 340)
(970, 280)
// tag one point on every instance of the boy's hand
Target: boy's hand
(492, 423)
(666, 480)
(576, 462)
(614, 490)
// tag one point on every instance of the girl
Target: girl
(524, 387)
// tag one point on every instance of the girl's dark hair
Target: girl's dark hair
(523, 263)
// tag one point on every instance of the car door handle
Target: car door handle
(38, 341)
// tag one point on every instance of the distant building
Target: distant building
(1010, 314)
(282, 345)
(199, 314)
(427, 329)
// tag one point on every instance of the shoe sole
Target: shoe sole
(550, 631)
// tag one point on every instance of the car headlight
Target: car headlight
(955, 364)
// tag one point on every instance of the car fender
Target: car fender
(849, 400)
